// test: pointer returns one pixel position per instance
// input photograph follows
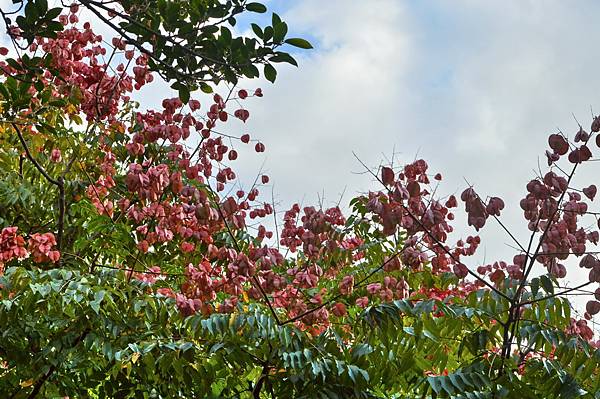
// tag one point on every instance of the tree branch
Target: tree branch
(435, 240)
(556, 294)
(60, 183)
(39, 383)
(31, 158)
(259, 383)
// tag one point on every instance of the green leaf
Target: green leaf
(53, 13)
(42, 6)
(206, 88)
(275, 20)
(184, 94)
(298, 42)
(267, 34)
(284, 57)
(256, 7)
(32, 12)
(435, 383)
(257, 30)
(225, 35)
(535, 286)
(279, 32)
(98, 297)
(547, 284)
(354, 371)
(270, 73)
(54, 26)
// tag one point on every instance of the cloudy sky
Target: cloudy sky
(472, 87)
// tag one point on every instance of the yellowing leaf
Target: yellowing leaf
(76, 119)
(135, 357)
(27, 383)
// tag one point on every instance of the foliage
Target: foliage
(134, 264)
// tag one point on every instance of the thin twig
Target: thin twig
(60, 183)
(556, 294)
(435, 240)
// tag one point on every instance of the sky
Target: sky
(472, 87)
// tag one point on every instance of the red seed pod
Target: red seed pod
(460, 270)
(241, 114)
(259, 147)
(596, 125)
(245, 138)
(451, 202)
(413, 189)
(592, 307)
(387, 176)
(574, 156)
(264, 179)
(558, 144)
(581, 135)
(584, 153)
(560, 271)
(494, 206)
(588, 261)
(194, 105)
(590, 192)
(551, 157)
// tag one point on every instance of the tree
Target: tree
(134, 266)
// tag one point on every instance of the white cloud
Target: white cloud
(337, 101)
(473, 87)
